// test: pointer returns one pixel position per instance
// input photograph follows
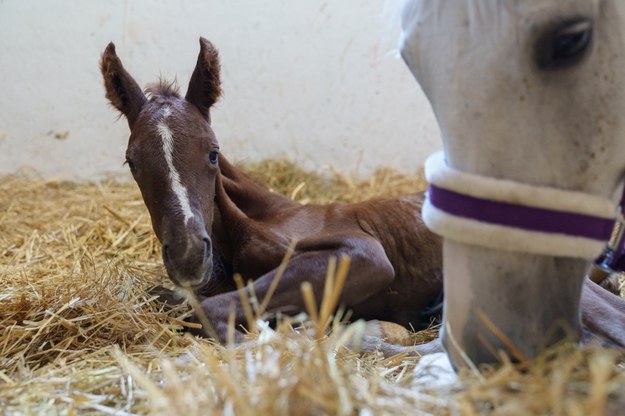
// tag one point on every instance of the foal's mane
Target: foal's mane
(163, 88)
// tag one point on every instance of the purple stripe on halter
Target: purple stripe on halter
(520, 216)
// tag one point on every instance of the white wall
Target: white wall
(317, 81)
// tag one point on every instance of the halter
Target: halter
(512, 216)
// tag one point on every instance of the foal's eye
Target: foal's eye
(564, 45)
(131, 166)
(213, 156)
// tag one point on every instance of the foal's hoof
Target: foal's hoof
(166, 296)
(390, 339)
(612, 283)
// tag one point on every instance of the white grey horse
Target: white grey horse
(530, 99)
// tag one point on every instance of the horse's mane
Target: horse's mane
(163, 88)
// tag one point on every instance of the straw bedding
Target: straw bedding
(79, 333)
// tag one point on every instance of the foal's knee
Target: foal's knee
(370, 263)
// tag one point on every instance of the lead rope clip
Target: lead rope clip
(607, 263)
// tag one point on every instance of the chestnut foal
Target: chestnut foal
(213, 221)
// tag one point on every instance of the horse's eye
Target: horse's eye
(213, 156)
(565, 45)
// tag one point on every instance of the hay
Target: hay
(80, 335)
(303, 186)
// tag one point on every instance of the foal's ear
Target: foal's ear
(205, 85)
(121, 89)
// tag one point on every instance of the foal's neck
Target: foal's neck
(239, 195)
(241, 205)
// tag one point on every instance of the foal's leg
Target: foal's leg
(370, 272)
(603, 313)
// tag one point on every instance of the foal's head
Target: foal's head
(173, 156)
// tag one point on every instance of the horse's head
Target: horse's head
(532, 92)
(525, 90)
(173, 156)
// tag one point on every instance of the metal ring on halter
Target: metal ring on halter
(508, 215)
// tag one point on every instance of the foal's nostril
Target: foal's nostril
(165, 253)
(208, 248)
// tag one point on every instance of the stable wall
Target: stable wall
(316, 81)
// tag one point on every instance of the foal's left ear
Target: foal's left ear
(205, 85)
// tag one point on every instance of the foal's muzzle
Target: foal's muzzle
(188, 259)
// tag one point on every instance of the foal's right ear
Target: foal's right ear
(121, 89)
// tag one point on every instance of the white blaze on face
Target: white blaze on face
(174, 177)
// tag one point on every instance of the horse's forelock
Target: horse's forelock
(163, 88)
